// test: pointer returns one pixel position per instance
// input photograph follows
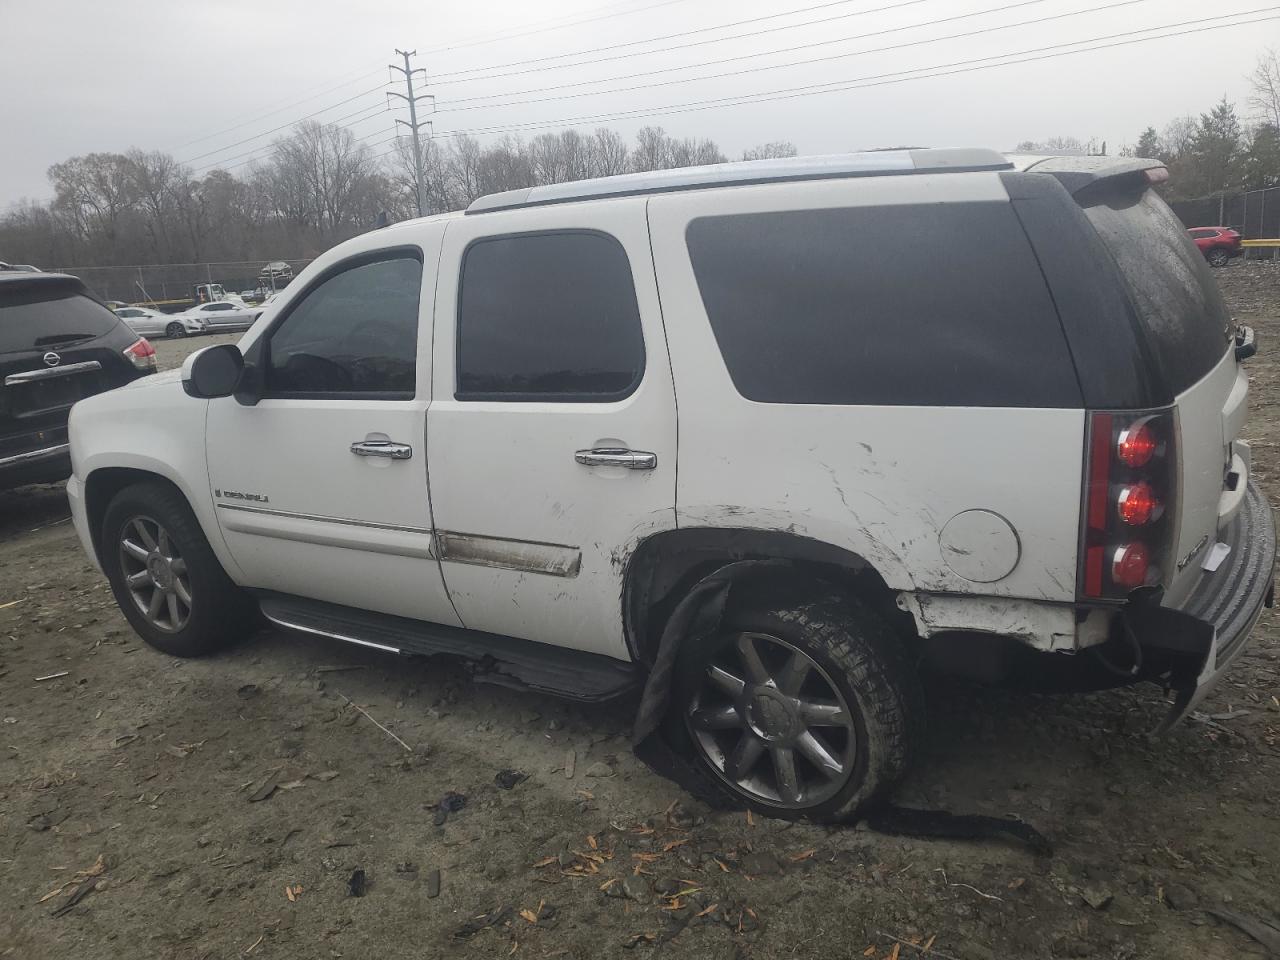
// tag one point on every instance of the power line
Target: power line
(521, 32)
(267, 133)
(272, 113)
(446, 105)
(258, 153)
(926, 73)
(443, 77)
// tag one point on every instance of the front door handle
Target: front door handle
(382, 448)
(617, 457)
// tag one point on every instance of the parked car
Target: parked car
(221, 316)
(154, 323)
(716, 436)
(58, 344)
(19, 267)
(1218, 244)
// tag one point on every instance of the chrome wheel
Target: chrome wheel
(772, 724)
(155, 574)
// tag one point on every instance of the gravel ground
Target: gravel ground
(224, 806)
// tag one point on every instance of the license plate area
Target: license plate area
(46, 396)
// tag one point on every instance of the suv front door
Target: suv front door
(553, 419)
(321, 487)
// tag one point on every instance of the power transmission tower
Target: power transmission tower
(413, 124)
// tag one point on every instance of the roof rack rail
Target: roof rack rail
(834, 166)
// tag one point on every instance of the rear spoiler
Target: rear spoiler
(1087, 177)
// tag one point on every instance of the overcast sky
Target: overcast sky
(197, 77)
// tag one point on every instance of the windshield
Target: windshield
(1177, 300)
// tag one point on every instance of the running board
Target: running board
(492, 658)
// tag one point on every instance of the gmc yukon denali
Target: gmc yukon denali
(716, 437)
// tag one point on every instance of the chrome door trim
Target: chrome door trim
(32, 455)
(526, 556)
(48, 373)
(343, 532)
(329, 633)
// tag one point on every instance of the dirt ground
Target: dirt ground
(224, 805)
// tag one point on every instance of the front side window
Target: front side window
(354, 333)
(549, 316)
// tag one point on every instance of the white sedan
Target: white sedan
(152, 323)
(223, 315)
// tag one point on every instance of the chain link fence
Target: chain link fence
(1256, 214)
(170, 286)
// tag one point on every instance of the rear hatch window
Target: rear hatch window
(48, 316)
(1177, 302)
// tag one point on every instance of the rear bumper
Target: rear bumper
(1211, 626)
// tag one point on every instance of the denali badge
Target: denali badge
(237, 495)
(1182, 564)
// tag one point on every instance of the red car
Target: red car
(1218, 244)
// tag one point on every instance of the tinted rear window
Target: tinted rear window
(550, 316)
(33, 318)
(941, 304)
(1177, 302)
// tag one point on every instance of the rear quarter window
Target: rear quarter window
(937, 305)
(39, 316)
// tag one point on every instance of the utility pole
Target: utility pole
(413, 117)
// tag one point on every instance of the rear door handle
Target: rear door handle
(617, 457)
(382, 448)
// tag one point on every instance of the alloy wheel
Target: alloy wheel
(772, 724)
(155, 574)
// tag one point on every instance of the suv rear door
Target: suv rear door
(553, 419)
(57, 345)
(1187, 330)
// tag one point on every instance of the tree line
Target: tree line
(1215, 153)
(317, 186)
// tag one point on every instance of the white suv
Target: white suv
(760, 440)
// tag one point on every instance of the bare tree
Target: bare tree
(158, 181)
(609, 153)
(96, 192)
(1264, 83)
(774, 150)
(331, 166)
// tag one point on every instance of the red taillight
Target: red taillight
(141, 354)
(1130, 488)
(1137, 504)
(1129, 565)
(1137, 444)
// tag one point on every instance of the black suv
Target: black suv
(58, 344)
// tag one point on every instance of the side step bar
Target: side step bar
(506, 661)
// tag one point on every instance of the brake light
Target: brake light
(1130, 482)
(141, 354)
(1137, 504)
(1156, 175)
(1136, 444)
(1130, 565)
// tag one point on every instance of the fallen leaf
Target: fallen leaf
(545, 862)
(288, 892)
(804, 855)
(292, 784)
(529, 915)
(928, 944)
(708, 910)
(897, 947)
(870, 951)
(667, 848)
(592, 843)
(325, 775)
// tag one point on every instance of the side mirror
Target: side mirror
(212, 372)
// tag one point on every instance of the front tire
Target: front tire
(1218, 258)
(175, 331)
(807, 709)
(165, 576)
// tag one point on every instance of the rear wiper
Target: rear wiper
(63, 338)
